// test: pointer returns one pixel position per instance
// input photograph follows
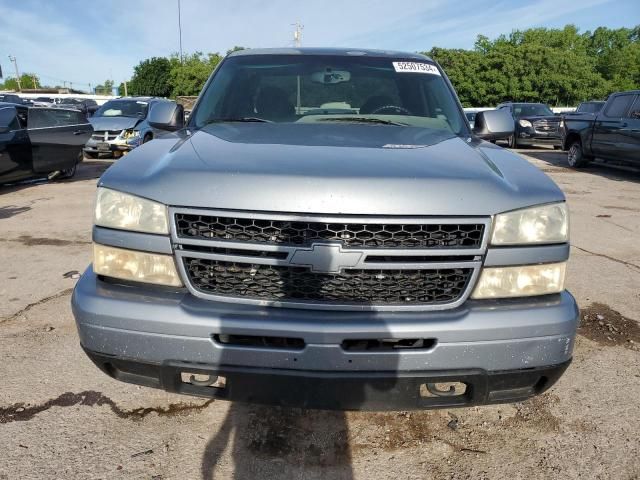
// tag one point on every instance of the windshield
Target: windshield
(123, 108)
(330, 88)
(531, 110)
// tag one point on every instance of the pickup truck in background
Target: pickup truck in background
(613, 134)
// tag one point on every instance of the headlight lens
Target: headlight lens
(522, 281)
(524, 123)
(127, 212)
(129, 134)
(135, 266)
(543, 224)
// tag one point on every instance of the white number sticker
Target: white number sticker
(414, 67)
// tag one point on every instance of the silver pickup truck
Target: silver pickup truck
(327, 232)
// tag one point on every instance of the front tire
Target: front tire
(512, 142)
(575, 156)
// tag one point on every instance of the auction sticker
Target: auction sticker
(415, 67)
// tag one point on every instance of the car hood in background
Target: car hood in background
(331, 169)
(113, 123)
(533, 118)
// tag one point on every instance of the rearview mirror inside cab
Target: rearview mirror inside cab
(330, 76)
(493, 125)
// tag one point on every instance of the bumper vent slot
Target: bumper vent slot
(285, 343)
(388, 344)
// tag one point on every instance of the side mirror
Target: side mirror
(494, 125)
(167, 116)
(7, 117)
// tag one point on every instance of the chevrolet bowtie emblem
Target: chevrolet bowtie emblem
(325, 258)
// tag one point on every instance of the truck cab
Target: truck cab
(613, 134)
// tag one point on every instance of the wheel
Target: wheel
(512, 142)
(68, 172)
(91, 155)
(147, 138)
(575, 157)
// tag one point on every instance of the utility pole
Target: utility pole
(297, 34)
(180, 29)
(15, 64)
(126, 94)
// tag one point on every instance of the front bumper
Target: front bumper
(113, 146)
(161, 331)
(528, 136)
(337, 390)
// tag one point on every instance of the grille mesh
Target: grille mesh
(296, 233)
(359, 286)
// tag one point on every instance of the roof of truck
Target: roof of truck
(330, 51)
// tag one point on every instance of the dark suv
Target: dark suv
(536, 124)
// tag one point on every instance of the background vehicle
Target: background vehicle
(342, 260)
(12, 98)
(536, 124)
(44, 101)
(121, 125)
(38, 142)
(86, 105)
(613, 134)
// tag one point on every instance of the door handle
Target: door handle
(79, 132)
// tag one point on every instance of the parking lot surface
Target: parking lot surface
(62, 418)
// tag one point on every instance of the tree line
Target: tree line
(560, 67)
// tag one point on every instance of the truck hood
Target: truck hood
(113, 123)
(331, 169)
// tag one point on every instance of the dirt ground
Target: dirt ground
(60, 418)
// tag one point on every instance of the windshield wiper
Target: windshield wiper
(363, 120)
(239, 119)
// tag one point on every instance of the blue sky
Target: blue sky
(89, 41)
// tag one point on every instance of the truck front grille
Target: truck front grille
(352, 286)
(280, 232)
(546, 126)
(341, 262)
(105, 135)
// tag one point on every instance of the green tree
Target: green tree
(151, 77)
(106, 88)
(27, 80)
(189, 76)
(555, 66)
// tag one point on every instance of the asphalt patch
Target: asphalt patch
(605, 326)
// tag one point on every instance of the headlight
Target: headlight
(543, 224)
(129, 134)
(523, 281)
(525, 123)
(135, 266)
(127, 212)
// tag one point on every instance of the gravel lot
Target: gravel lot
(61, 418)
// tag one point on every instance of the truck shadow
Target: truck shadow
(619, 173)
(280, 443)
